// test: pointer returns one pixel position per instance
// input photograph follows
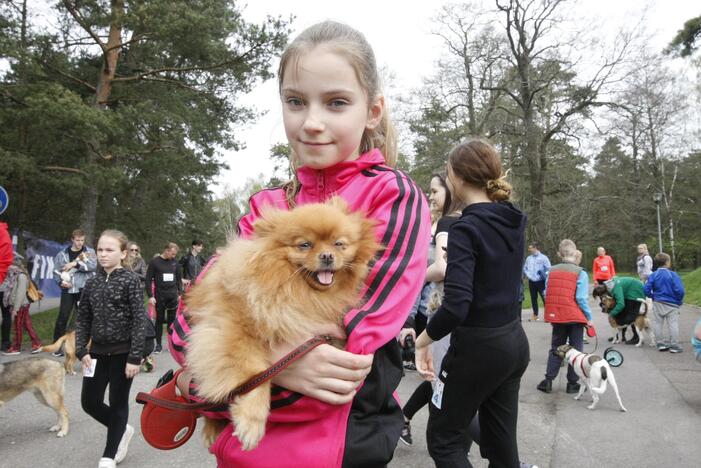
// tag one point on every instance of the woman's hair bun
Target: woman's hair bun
(499, 189)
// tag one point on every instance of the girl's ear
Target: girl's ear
(124, 254)
(375, 113)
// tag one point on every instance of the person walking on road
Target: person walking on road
(535, 269)
(603, 268)
(164, 271)
(193, 262)
(73, 267)
(111, 316)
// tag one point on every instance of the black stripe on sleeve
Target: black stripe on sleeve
(395, 252)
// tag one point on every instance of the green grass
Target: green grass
(692, 285)
(43, 323)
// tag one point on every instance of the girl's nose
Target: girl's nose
(313, 121)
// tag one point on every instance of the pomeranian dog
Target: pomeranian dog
(300, 272)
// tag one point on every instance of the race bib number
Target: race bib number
(168, 277)
(604, 268)
(437, 398)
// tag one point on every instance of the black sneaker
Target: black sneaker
(157, 349)
(406, 433)
(633, 341)
(409, 366)
(545, 386)
(57, 354)
(573, 387)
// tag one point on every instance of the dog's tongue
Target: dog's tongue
(325, 277)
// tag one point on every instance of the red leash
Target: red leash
(250, 384)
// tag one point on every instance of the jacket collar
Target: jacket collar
(325, 182)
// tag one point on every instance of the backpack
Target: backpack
(34, 294)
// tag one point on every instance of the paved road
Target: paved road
(661, 429)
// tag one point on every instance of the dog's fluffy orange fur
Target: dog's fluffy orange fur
(301, 271)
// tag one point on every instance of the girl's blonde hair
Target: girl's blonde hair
(121, 238)
(352, 45)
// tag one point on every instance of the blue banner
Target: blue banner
(39, 255)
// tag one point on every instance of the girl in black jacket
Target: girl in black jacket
(111, 314)
(488, 351)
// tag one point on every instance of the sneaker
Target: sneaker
(107, 463)
(57, 354)
(633, 341)
(157, 349)
(36, 349)
(410, 366)
(406, 433)
(124, 444)
(573, 387)
(11, 352)
(675, 349)
(545, 386)
(662, 347)
(534, 318)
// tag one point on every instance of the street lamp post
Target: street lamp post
(657, 197)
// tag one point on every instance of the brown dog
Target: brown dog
(641, 322)
(300, 272)
(45, 377)
(68, 342)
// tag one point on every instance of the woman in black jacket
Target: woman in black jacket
(111, 314)
(488, 351)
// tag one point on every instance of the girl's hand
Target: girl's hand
(424, 363)
(325, 373)
(86, 361)
(131, 370)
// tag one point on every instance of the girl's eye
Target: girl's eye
(305, 245)
(294, 102)
(338, 103)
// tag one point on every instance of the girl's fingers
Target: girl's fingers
(331, 397)
(345, 359)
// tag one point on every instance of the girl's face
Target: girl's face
(437, 194)
(325, 109)
(109, 253)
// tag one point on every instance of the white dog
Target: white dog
(594, 371)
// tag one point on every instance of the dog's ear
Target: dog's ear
(339, 203)
(367, 243)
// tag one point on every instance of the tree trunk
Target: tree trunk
(103, 91)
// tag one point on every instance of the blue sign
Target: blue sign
(4, 200)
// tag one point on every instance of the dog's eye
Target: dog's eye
(305, 245)
(340, 244)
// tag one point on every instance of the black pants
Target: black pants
(418, 399)
(481, 371)
(69, 301)
(109, 371)
(6, 324)
(536, 288)
(166, 307)
(562, 334)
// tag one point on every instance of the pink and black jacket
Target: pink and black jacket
(303, 431)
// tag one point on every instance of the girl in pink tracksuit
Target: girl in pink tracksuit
(336, 408)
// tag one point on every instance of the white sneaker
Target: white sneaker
(107, 463)
(124, 444)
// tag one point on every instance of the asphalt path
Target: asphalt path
(661, 391)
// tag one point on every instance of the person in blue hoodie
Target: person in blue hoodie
(488, 350)
(666, 289)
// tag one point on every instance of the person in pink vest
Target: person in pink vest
(567, 309)
(336, 407)
(603, 268)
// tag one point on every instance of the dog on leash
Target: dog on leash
(68, 342)
(45, 377)
(299, 273)
(594, 371)
(641, 323)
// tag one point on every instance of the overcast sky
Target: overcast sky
(400, 33)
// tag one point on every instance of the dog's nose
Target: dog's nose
(326, 258)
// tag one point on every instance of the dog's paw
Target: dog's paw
(577, 397)
(623, 410)
(249, 433)
(54, 428)
(61, 433)
(591, 407)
